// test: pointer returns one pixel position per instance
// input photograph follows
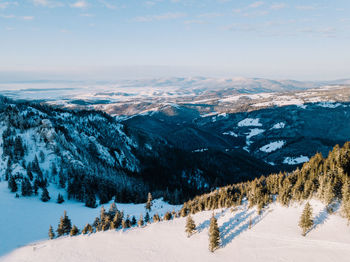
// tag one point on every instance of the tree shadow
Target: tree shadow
(238, 224)
(206, 223)
(323, 215)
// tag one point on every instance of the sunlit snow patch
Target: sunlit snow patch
(295, 160)
(279, 125)
(250, 122)
(230, 133)
(272, 146)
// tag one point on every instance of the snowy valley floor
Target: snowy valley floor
(274, 236)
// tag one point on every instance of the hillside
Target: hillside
(259, 220)
(274, 236)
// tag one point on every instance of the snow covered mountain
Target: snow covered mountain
(273, 236)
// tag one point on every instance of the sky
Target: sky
(102, 39)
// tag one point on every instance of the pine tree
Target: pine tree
(112, 209)
(90, 200)
(51, 233)
(26, 187)
(149, 202)
(74, 231)
(45, 195)
(12, 185)
(140, 222)
(147, 218)
(65, 225)
(87, 229)
(156, 218)
(306, 222)
(167, 216)
(117, 220)
(190, 226)
(214, 234)
(133, 221)
(60, 199)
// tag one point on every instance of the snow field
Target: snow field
(274, 236)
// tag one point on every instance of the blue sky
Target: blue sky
(300, 39)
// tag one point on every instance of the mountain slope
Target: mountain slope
(274, 236)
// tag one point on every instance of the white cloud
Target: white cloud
(47, 3)
(87, 15)
(7, 16)
(166, 16)
(278, 6)
(107, 4)
(256, 4)
(6, 4)
(28, 18)
(305, 7)
(79, 4)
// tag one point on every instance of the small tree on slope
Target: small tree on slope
(51, 233)
(64, 226)
(214, 234)
(74, 231)
(306, 222)
(149, 202)
(190, 226)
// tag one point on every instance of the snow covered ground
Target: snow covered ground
(274, 236)
(273, 146)
(27, 219)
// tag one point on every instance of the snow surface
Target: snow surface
(249, 122)
(279, 125)
(230, 133)
(27, 219)
(274, 236)
(273, 146)
(295, 160)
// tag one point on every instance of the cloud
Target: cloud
(6, 4)
(166, 16)
(190, 22)
(87, 15)
(108, 5)
(79, 4)
(47, 3)
(256, 4)
(7, 16)
(28, 18)
(278, 6)
(305, 7)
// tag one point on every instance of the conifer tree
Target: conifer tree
(133, 221)
(167, 216)
(74, 231)
(147, 218)
(190, 226)
(26, 187)
(156, 218)
(149, 202)
(112, 209)
(306, 222)
(45, 195)
(140, 222)
(214, 234)
(65, 225)
(60, 199)
(117, 220)
(346, 199)
(87, 229)
(51, 233)
(90, 200)
(12, 185)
